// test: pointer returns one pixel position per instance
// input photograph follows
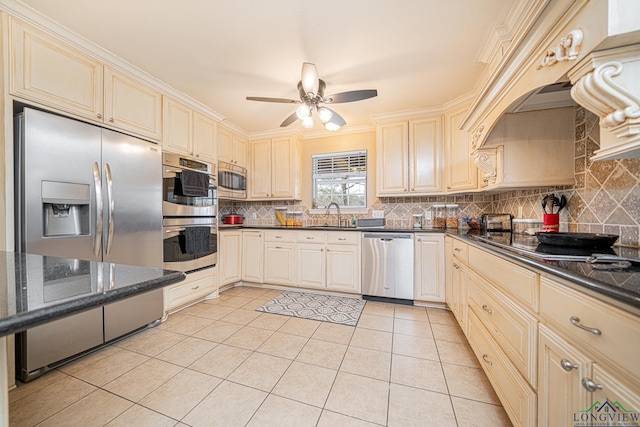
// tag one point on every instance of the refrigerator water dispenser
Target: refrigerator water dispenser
(65, 209)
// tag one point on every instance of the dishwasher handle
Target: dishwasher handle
(387, 236)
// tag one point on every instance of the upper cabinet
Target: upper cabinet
(461, 174)
(409, 157)
(275, 171)
(54, 74)
(186, 131)
(232, 148)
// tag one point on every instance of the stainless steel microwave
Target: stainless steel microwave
(232, 181)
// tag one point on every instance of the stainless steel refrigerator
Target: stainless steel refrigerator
(93, 194)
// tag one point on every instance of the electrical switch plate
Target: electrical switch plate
(427, 215)
(254, 215)
(377, 214)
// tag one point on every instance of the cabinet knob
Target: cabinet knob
(99, 116)
(197, 155)
(111, 119)
(575, 321)
(486, 308)
(456, 266)
(448, 187)
(590, 386)
(322, 250)
(485, 357)
(567, 366)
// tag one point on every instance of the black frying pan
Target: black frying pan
(577, 240)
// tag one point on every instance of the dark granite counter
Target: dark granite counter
(37, 289)
(329, 228)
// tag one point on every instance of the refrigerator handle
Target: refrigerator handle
(111, 205)
(97, 243)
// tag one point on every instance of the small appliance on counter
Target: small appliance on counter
(495, 222)
(233, 219)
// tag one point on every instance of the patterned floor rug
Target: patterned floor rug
(327, 308)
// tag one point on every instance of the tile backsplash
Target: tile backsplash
(604, 199)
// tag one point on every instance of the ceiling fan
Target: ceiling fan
(311, 89)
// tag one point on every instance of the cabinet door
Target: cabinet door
(343, 268)
(279, 263)
(260, 170)
(204, 131)
(429, 268)
(448, 272)
(283, 167)
(240, 151)
(230, 257)
(132, 106)
(252, 256)
(460, 277)
(224, 141)
(425, 156)
(392, 158)
(560, 370)
(177, 127)
(311, 265)
(615, 388)
(460, 172)
(52, 73)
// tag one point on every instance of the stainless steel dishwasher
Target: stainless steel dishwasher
(387, 266)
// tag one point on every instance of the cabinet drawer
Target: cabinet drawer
(343, 238)
(517, 398)
(461, 251)
(305, 236)
(509, 325)
(514, 280)
(618, 335)
(280, 236)
(188, 291)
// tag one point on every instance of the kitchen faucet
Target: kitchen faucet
(329, 211)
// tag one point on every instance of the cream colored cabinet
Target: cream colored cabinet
(409, 157)
(275, 168)
(188, 132)
(50, 72)
(230, 257)
(343, 268)
(252, 256)
(312, 265)
(461, 174)
(193, 289)
(232, 148)
(457, 277)
(429, 267)
(280, 257)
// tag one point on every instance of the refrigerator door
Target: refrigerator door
(132, 188)
(57, 169)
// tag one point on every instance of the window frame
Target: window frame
(337, 155)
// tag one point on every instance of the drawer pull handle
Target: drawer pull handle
(590, 386)
(278, 237)
(342, 238)
(575, 321)
(567, 366)
(456, 266)
(457, 249)
(278, 247)
(485, 357)
(309, 238)
(486, 308)
(195, 287)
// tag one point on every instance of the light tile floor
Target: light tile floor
(221, 363)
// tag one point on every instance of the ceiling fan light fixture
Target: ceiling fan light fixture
(325, 114)
(303, 111)
(332, 127)
(307, 122)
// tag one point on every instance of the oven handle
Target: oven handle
(174, 230)
(212, 178)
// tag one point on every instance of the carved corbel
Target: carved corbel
(486, 162)
(566, 50)
(477, 137)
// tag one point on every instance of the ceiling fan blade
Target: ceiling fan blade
(336, 118)
(281, 100)
(292, 118)
(309, 79)
(351, 96)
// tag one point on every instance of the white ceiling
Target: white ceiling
(416, 53)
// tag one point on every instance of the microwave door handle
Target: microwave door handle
(97, 182)
(111, 206)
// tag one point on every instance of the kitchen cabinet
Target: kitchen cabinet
(312, 259)
(280, 257)
(409, 157)
(188, 132)
(457, 276)
(252, 256)
(52, 73)
(232, 148)
(229, 257)
(461, 174)
(196, 287)
(429, 267)
(275, 171)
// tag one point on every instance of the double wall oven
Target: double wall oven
(189, 209)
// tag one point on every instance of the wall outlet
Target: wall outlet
(254, 215)
(377, 214)
(427, 215)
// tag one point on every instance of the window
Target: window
(340, 178)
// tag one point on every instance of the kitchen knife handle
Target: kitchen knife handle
(97, 182)
(111, 206)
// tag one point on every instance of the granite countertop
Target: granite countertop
(331, 228)
(37, 289)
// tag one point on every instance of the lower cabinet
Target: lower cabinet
(279, 263)
(429, 267)
(343, 268)
(252, 256)
(229, 257)
(193, 289)
(312, 265)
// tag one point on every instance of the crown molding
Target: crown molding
(407, 114)
(346, 130)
